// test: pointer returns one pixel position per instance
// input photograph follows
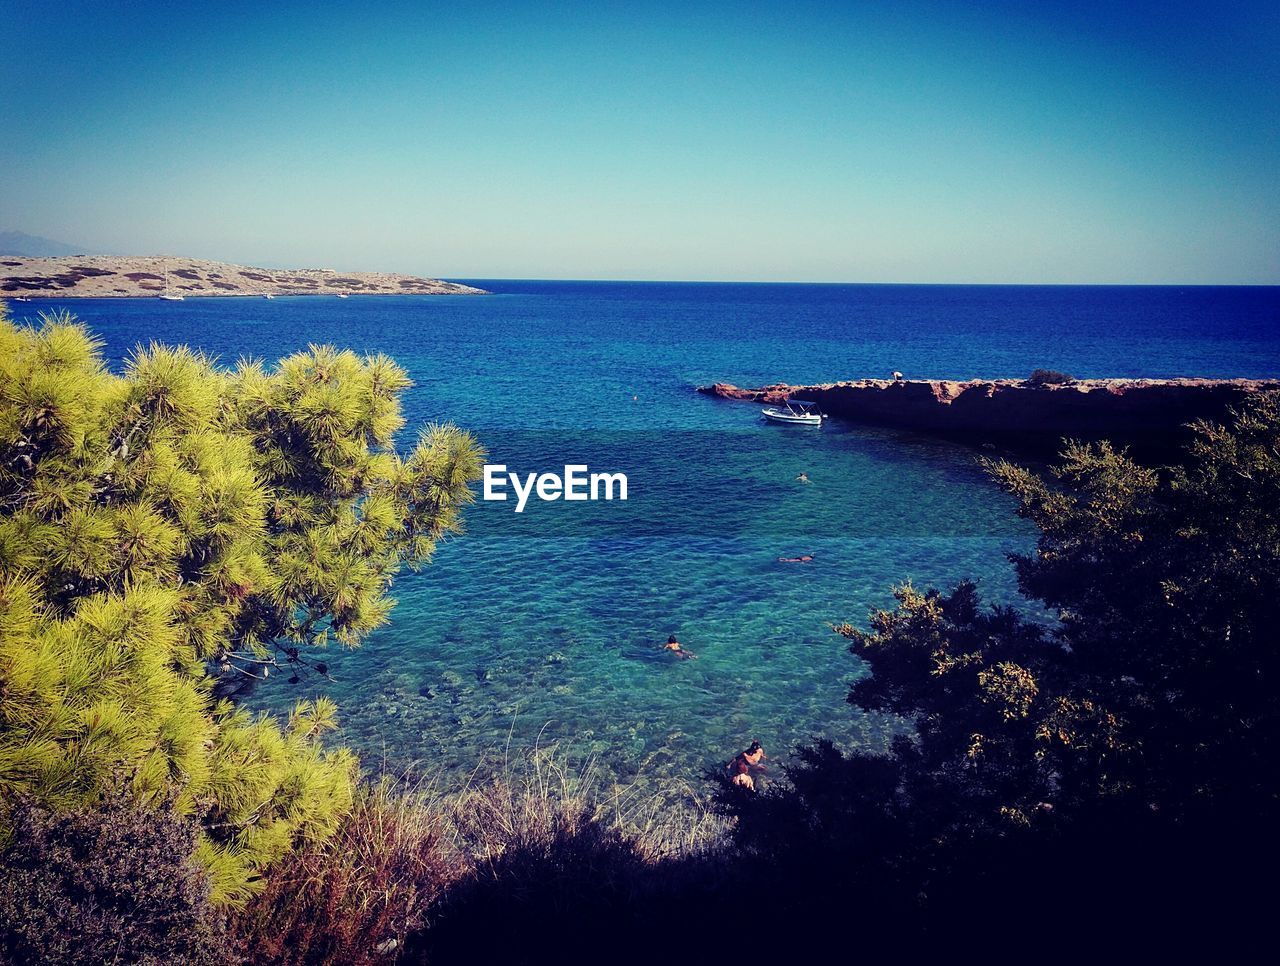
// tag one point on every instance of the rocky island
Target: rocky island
(1149, 415)
(132, 276)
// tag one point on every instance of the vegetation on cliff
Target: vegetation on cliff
(173, 530)
(106, 881)
(1100, 763)
(1115, 767)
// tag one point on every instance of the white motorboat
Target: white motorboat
(798, 412)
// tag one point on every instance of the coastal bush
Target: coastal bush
(105, 882)
(1164, 584)
(1116, 764)
(1049, 377)
(173, 532)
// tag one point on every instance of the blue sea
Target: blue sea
(543, 629)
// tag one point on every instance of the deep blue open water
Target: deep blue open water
(544, 627)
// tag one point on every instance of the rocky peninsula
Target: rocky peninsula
(134, 276)
(1149, 415)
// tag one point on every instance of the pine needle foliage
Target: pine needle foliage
(173, 531)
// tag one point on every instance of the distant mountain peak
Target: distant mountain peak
(33, 246)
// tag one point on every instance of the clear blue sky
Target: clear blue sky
(896, 141)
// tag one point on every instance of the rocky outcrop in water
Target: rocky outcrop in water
(1150, 415)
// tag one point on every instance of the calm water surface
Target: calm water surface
(544, 627)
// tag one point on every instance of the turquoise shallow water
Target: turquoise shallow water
(545, 627)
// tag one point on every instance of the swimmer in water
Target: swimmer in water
(754, 756)
(804, 478)
(676, 648)
(803, 558)
(747, 765)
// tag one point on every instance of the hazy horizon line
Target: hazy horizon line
(765, 281)
(454, 277)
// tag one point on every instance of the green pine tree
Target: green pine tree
(172, 531)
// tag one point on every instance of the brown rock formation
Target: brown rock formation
(120, 276)
(1150, 415)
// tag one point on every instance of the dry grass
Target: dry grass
(544, 795)
(538, 835)
(354, 899)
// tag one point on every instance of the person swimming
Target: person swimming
(676, 648)
(804, 478)
(748, 764)
(803, 558)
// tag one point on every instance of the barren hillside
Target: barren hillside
(111, 276)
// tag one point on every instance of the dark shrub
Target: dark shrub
(1049, 377)
(113, 882)
(1107, 780)
(559, 879)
